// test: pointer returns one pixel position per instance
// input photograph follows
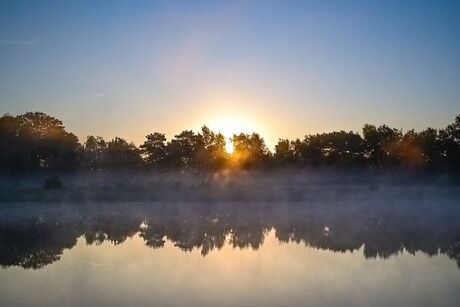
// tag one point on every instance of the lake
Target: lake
(330, 253)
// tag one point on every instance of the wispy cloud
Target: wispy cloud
(98, 95)
(17, 42)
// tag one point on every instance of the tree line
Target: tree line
(36, 142)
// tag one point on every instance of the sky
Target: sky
(281, 68)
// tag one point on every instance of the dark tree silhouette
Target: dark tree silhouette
(35, 141)
(154, 150)
(13, 151)
(408, 151)
(431, 147)
(312, 154)
(94, 153)
(289, 153)
(122, 155)
(450, 140)
(182, 151)
(212, 154)
(335, 148)
(188, 151)
(250, 150)
(379, 145)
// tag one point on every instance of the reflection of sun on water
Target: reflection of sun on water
(229, 126)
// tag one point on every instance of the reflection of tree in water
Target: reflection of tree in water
(186, 230)
(38, 238)
(153, 234)
(34, 243)
(248, 232)
(115, 228)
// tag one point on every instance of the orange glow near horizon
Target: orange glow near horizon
(229, 126)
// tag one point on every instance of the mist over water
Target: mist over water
(34, 235)
(310, 185)
(293, 238)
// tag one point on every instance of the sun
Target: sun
(229, 126)
(228, 145)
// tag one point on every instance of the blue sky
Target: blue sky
(283, 68)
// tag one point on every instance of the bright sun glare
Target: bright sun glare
(228, 145)
(229, 126)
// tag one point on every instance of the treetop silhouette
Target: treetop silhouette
(36, 142)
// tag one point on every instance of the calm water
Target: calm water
(231, 254)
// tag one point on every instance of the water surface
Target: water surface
(231, 254)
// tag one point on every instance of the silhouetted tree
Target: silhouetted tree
(312, 154)
(35, 141)
(250, 150)
(154, 150)
(122, 155)
(212, 154)
(94, 151)
(13, 151)
(450, 140)
(408, 151)
(283, 152)
(181, 151)
(334, 148)
(288, 152)
(379, 144)
(431, 146)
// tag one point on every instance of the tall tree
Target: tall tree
(182, 149)
(35, 141)
(431, 146)
(250, 150)
(288, 152)
(122, 155)
(379, 144)
(94, 151)
(335, 148)
(408, 152)
(13, 153)
(154, 150)
(212, 154)
(450, 140)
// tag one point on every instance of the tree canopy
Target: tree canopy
(35, 142)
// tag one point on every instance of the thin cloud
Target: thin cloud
(16, 42)
(98, 95)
